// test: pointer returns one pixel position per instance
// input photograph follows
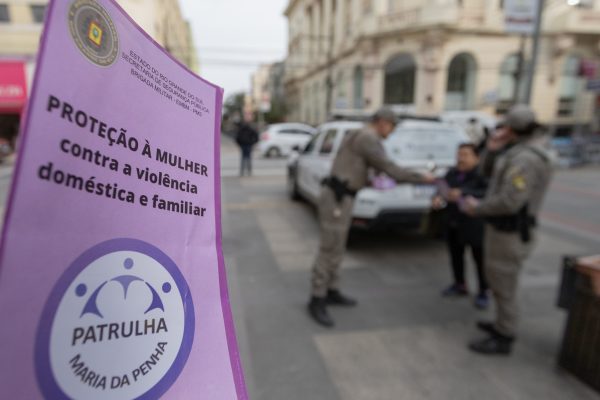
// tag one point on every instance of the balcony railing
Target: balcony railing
(425, 14)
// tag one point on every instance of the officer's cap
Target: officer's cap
(521, 119)
(385, 114)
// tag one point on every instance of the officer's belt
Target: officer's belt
(339, 188)
(510, 223)
(520, 223)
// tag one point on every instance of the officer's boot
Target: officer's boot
(487, 327)
(336, 298)
(494, 344)
(317, 308)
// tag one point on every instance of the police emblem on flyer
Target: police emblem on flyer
(94, 32)
(119, 324)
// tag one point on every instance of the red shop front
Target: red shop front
(13, 98)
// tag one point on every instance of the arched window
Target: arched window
(400, 74)
(460, 89)
(358, 88)
(571, 83)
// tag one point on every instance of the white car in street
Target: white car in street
(417, 144)
(279, 139)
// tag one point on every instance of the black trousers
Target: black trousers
(456, 248)
(246, 161)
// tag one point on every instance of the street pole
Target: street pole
(519, 71)
(535, 51)
(329, 79)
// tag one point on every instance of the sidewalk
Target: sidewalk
(403, 341)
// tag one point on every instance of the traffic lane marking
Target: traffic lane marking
(572, 223)
(560, 187)
(259, 205)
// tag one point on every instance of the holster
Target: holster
(520, 223)
(338, 187)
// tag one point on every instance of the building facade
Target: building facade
(429, 56)
(260, 96)
(21, 23)
(163, 21)
(267, 92)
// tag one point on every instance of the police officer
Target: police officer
(359, 151)
(521, 175)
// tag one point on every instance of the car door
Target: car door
(306, 167)
(321, 164)
(300, 138)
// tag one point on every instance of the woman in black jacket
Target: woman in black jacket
(463, 231)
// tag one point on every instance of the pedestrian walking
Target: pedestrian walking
(463, 231)
(522, 173)
(246, 137)
(358, 152)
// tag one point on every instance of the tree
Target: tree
(233, 107)
(233, 110)
(277, 112)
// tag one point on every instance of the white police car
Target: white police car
(418, 144)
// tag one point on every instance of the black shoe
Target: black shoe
(492, 345)
(317, 308)
(487, 327)
(336, 298)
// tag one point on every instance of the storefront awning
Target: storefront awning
(13, 87)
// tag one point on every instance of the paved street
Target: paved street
(403, 341)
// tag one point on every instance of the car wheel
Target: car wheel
(292, 185)
(273, 152)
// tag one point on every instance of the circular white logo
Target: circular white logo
(119, 324)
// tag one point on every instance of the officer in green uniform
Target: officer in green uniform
(358, 152)
(521, 175)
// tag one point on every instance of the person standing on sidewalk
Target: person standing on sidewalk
(246, 137)
(521, 175)
(359, 151)
(462, 230)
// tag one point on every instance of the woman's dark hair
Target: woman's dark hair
(471, 146)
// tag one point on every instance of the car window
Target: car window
(427, 144)
(328, 142)
(311, 144)
(287, 131)
(338, 142)
(294, 131)
(349, 131)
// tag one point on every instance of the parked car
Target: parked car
(461, 118)
(422, 145)
(279, 139)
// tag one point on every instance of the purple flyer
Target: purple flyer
(112, 281)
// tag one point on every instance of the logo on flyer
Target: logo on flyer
(94, 32)
(119, 324)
